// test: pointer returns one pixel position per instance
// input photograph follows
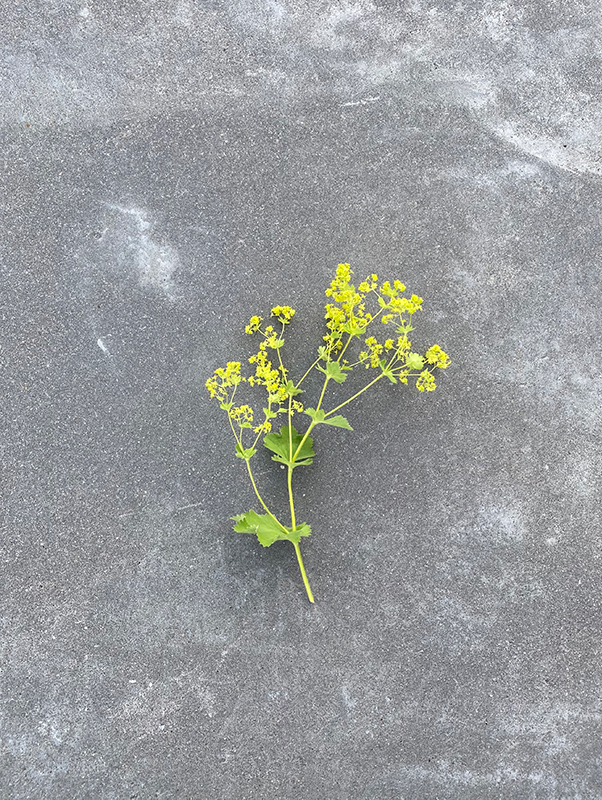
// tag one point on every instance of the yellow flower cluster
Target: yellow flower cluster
(403, 343)
(349, 315)
(224, 379)
(347, 319)
(283, 314)
(265, 427)
(254, 325)
(242, 415)
(399, 305)
(266, 375)
(369, 285)
(426, 382)
(435, 355)
(372, 356)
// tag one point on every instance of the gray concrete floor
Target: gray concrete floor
(169, 168)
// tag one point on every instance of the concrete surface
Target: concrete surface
(168, 168)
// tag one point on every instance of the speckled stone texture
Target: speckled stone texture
(169, 168)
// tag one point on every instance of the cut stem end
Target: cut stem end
(303, 573)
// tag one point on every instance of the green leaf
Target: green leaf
(388, 372)
(292, 390)
(353, 329)
(301, 530)
(338, 421)
(333, 370)
(226, 406)
(279, 443)
(276, 344)
(269, 414)
(414, 361)
(244, 454)
(318, 417)
(267, 529)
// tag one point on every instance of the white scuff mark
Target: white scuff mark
(184, 508)
(335, 29)
(277, 11)
(102, 346)
(361, 102)
(184, 14)
(556, 151)
(348, 700)
(472, 90)
(155, 263)
(139, 214)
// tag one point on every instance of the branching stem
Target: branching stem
(361, 391)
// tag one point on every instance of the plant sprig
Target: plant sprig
(348, 321)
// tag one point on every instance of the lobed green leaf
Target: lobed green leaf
(292, 390)
(280, 444)
(338, 421)
(335, 371)
(319, 418)
(245, 454)
(414, 361)
(387, 370)
(267, 529)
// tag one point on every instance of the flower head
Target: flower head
(283, 314)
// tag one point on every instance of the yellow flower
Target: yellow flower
(254, 325)
(224, 379)
(283, 314)
(435, 355)
(426, 382)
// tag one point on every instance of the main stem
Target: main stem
(303, 573)
(290, 497)
(295, 545)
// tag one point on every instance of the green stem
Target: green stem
(296, 546)
(282, 369)
(265, 420)
(322, 395)
(312, 424)
(238, 441)
(290, 497)
(342, 353)
(303, 573)
(317, 361)
(290, 469)
(361, 391)
(290, 427)
(260, 498)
